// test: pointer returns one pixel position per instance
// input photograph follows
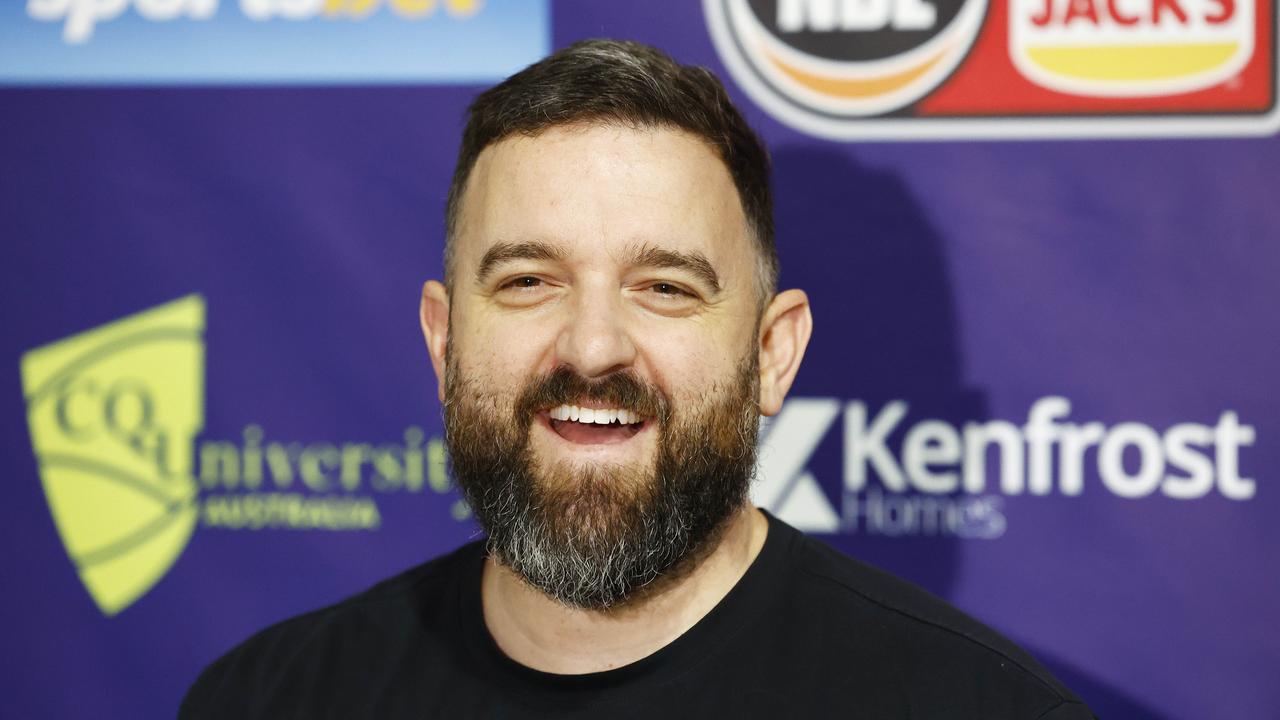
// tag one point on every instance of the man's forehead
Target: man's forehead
(599, 151)
(597, 135)
(621, 189)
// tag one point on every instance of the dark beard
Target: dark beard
(593, 536)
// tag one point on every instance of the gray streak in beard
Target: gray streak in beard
(596, 538)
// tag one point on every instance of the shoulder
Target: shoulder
(356, 635)
(939, 656)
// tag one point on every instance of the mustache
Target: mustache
(623, 389)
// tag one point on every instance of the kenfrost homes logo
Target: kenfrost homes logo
(114, 414)
(1001, 69)
(932, 478)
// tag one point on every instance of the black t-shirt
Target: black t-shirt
(807, 632)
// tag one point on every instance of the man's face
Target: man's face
(600, 269)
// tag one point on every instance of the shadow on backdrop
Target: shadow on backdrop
(859, 243)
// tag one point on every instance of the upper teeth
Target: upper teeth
(599, 416)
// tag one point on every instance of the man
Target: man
(606, 338)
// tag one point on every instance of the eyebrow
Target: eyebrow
(507, 251)
(693, 262)
(644, 255)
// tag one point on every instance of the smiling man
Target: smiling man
(606, 338)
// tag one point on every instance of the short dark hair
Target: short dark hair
(612, 81)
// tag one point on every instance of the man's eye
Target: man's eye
(668, 289)
(525, 281)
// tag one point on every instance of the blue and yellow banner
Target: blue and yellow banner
(276, 42)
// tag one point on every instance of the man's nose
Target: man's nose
(595, 340)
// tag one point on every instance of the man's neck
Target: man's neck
(541, 633)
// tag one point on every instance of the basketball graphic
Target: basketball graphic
(819, 64)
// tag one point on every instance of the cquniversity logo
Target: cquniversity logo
(116, 416)
(113, 413)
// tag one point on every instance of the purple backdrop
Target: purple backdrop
(961, 282)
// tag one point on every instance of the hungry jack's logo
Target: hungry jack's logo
(114, 413)
(938, 69)
(1135, 48)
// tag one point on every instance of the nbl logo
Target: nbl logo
(840, 59)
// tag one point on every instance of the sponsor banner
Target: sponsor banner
(936, 69)
(114, 42)
(116, 415)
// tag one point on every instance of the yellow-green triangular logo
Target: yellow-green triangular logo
(113, 414)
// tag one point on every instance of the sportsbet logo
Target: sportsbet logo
(114, 415)
(110, 42)
(79, 17)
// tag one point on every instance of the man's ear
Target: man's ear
(434, 316)
(784, 334)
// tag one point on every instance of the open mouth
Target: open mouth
(594, 426)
